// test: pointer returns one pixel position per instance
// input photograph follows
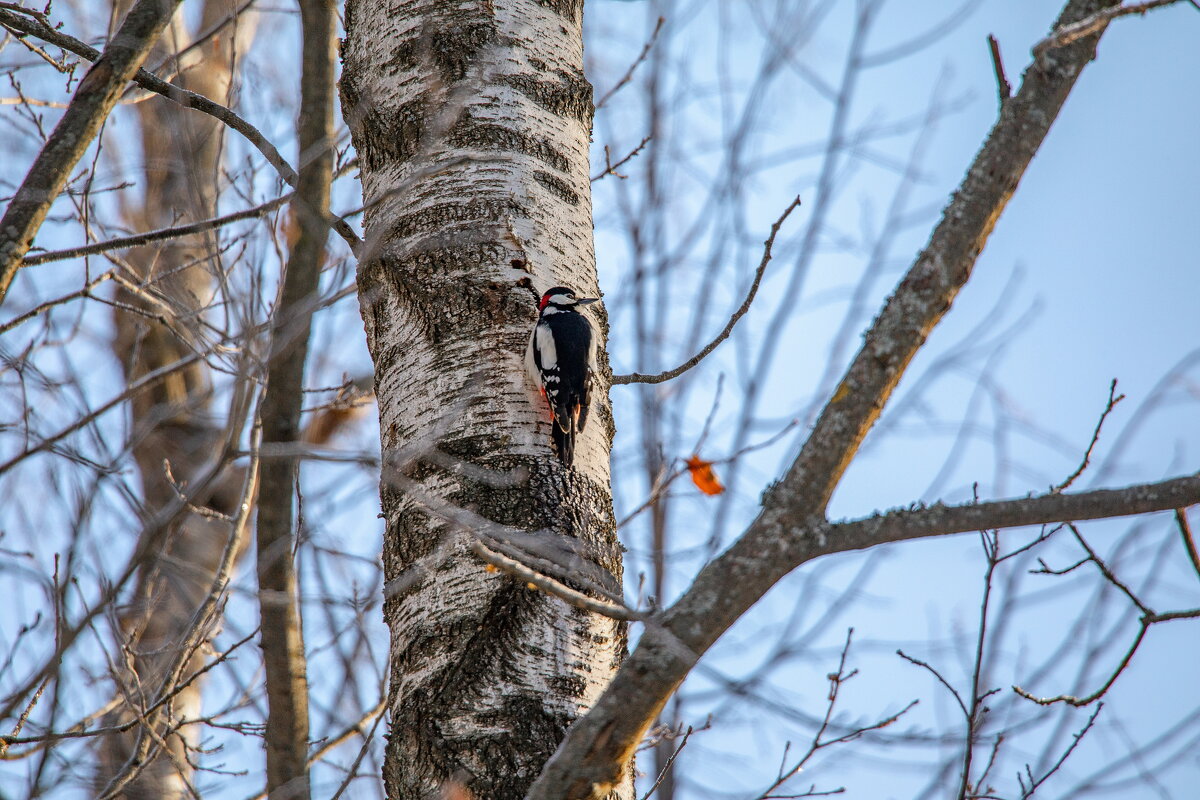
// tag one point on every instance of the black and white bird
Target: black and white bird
(559, 361)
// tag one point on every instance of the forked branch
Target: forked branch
(788, 530)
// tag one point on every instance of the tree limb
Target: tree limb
(188, 99)
(94, 99)
(591, 757)
(1068, 34)
(282, 641)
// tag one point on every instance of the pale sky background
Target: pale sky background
(1102, 236)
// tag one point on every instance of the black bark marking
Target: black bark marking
(570, 95)
(567, 9)
(557, 186)
(444, 216)
(473, 133)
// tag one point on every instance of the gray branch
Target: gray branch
(592, 756)
(94, 99)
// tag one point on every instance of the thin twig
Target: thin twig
(352, 773)
(1148, 617)
(1189, 542)
(611, 168)
(146, 381)
(1113, 399)
(918, 662)
(632, 67)
(662, 774)
(537, 580)
(137, 239)
(638, 377)
(1002, 85)
(1027, 791)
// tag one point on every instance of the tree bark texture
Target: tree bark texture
(171, 423)
(472, 122)
(789, 528)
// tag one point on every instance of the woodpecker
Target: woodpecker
(558, 359)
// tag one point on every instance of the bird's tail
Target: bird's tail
(564, 441)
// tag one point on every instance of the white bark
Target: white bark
(472, 122)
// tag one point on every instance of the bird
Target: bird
(559, 361)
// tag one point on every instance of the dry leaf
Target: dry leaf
(703, 476)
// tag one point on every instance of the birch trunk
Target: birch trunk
(173, 423)
(472, 122)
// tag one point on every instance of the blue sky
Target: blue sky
(1098, 255)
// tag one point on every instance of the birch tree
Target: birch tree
(508, 674)
(474, 156)
(436, 334)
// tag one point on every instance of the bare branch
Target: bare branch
(1095, 23)
(1027, 791)
(185, 98)
(1002, 84)
(1148, 617)
(628, 76)
(941, 520)
(611, 168)
(1113, 399)
(638, 377)
(148, 380)
(1103, 690)
(1189, 542)
(592, 755)
(537, 580)
(159, 235)
(94, 99)
(949, 687)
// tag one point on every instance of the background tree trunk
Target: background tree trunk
(172, 423)
(472, 123)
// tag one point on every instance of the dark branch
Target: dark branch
(94, 99)
(1069, 34)
(632, 67)
(138, 239)
(611, 168)
(638, 377)
(1113, 399)
(940, 520)
(1002, 84)
(1189, 541)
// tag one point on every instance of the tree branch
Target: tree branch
(590, 759)
(185, 98)
(1003, 87)
(638, 377)
(538, 580)
(282, 641)
(175, 232)
(1095, 23)
(1189, 542)
(94, 99)
(940, 520)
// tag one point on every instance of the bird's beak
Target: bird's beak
(583, 301)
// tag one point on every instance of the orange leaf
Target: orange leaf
(703, 476)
